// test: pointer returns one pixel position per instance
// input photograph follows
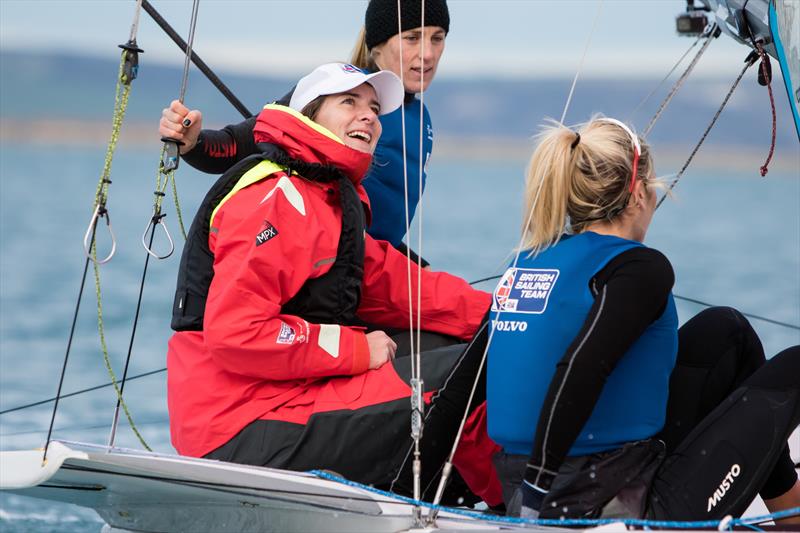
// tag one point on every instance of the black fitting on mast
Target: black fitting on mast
(131, 67)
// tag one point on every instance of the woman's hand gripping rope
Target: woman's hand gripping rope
(180, 123)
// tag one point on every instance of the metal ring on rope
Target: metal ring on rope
(89, 238)
(158, 220)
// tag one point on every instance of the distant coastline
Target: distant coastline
(143, 136)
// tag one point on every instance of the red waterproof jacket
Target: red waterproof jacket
(268, 238)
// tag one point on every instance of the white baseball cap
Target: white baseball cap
(334, 78)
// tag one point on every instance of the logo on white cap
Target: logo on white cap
(335, 78)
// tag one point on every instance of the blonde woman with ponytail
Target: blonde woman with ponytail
(601, 404)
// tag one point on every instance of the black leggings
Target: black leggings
(729, 415)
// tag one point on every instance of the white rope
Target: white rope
(447, 467)
(419, 191)
(135, 25)
(418, 403)
(583, 57)
(416, 415)
(412, 344)
(189, 43)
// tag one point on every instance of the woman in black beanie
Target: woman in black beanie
(378, 46)
(381, 46)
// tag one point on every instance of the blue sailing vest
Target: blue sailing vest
(544, 303)
(384, 183)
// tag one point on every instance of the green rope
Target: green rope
(177, 206)
(168, 177)
(161, 186)
(106, 358)
(122, 93)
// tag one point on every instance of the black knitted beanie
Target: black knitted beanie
(380, 20)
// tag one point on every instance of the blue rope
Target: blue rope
(561, 522)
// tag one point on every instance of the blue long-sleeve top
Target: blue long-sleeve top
(385, 181)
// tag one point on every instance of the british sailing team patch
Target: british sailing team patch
(524, 290)
(267, 232)
(286, 335)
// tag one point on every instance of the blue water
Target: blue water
(733, 238)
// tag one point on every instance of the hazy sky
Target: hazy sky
(633, 38)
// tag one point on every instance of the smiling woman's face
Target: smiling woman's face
(353, 117)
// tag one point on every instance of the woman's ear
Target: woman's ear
(639, 195)
(375, 55)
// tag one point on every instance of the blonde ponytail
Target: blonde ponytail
(575, 178)
(361, 56)
(547, 186)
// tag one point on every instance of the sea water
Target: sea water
(732, 236)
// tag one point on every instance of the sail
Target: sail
(784, 24)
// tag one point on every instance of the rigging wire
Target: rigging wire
(749, 315)
(416, 399)
(412, 344)
(749, 61)
(417, 382)
(78, 428)
(199, 63)
(187, 60)
(446, 469)
(489, 278)
(128, 70)
(580, 64)
(78, 392)
(66, 358)
(711, 33)
(665, 78)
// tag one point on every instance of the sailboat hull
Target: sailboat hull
(140, 491)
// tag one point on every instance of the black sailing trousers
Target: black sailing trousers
(729, 415)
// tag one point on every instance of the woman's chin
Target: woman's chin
(414, 85)
(361, 146)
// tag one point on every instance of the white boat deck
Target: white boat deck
(140, 491)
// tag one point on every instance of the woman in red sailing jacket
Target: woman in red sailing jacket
(266, 366)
